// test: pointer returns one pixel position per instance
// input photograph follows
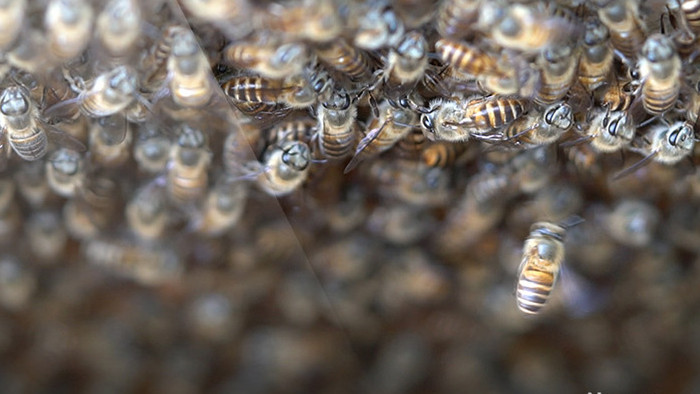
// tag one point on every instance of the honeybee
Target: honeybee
(91, 210)
(609, 131)
(12, 17)
(187, 176)
(616, 97)
(222, 209)
(110, 140)
(544, 128)
(410, 182)
(626, 32)
(400, 224)
(336, 125)
(597, 57)
(455, 18)
(152, 151)
(668, 144)
(118, 27)
(295, 92)
(406, 65)
(524, 27)
(632, 222)
(154, 62)
(464, 58)
(442, 153)
(257, 98)
(46, 236)
(65, 172)
(149, 264)
(660, 70)
(68, 26)
(691, 11)
(19, 117)
(147, 212)
(583, 159)
(558, 72)
(32, 185)
(294, 130)
(188, 71)
(109, 93)
(393, 124)
(379, 27)
(267, 60)
(285, 167)
(459, 120)
(543, 255)
(347, 59)
(316, 21)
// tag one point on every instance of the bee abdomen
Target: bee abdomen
(252, 90)
(534, 288)
(493, 114)
(346, 59)
(29, 146)
(658, 101)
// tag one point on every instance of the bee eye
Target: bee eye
(427, 123)
(613, 128)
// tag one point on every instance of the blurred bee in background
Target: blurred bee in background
(151, 149)
(12, 14)
(315, 21)
(30, 52)
(559, 66)
(405, 66)
(596, 60)
(118, 28)
(31, 182)
(627, 35)
(189, 76)
(110, 141)
(284, 168)
(633, 222)
(154, 61)
(467, 60)
(455, 18)
(147, 212)
(442, 153)
(378, 27)
(222, 208)
(187, 170)
(660, 71)
(336, 125)
(65, 172)
(348, 60)
(543, 255)
(268, 60)
(46, 236)
(68, 26)
(410, 182)
(93, 207)
(393, 124)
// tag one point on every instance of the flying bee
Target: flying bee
(668, 144)
(19, 118)
(660, 70)
(223, 208)
(394, 123)
(65, 172)
(544, 128)
(626, 32)
(284, 168)
(147, 212)
(152, 151)
(459, 120)
(188, 71)
(455, 18)
(336, 125)
(346, 59)
(379, 27)
(118, 27)
(558, 71)
(406, 65)
(315, 21)
(608, 131)
(523, 27)
(110, 140)
(543, 255)
(267, 60)
(12, 17)
(69, 27)
(597, 57)
(187, 176)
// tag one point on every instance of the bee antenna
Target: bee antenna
(634, 167)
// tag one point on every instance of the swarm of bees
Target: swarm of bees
(278, 178)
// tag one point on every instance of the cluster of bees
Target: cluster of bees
(438, 162)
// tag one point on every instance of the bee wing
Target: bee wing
(577, 141)
(63, 139)
(581, 298)
(634, 166)
(62, 109)
(364, 143)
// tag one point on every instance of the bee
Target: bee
(258, 99)
(544, 128)
(660, 70)
(442, 153)
(523, 27)
(455, 18)
(583, 159)
(46, 236)
(69, 27)
(302, 91)
(30, 52)
(632, 222)
(19, 117)
(558, 71)
(393, 124)
(597, 56)
(12, 17)
(109, 93)
(118, 27)
(32, 185)
(110, 140)
(691, 11)
(347, 59)
(294, 92)
(294, 130)
(609, 131)
(222, 209)
(543, 255)
(315, 21)
(65, 172)
(187, 176)
(459, 120)
(379, 27)
(217, 10)
(285, 167)
(148, 264)
(410, 182)
(406, 65)
(668, 144)
(616, 97)
(92, 208)
(155, 61)
(147, 212)
(626, 32)
(267, 60)
(464, 58)
(188, 71)
(400, 224)
(336, 125)
(152, 151)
